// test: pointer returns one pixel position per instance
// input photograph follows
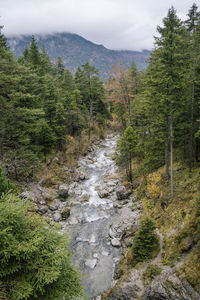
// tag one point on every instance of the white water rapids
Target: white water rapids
(89, 222)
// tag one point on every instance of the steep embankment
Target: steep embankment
(174, 273)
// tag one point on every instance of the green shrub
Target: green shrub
(5, 185)
(152, 272)
(35, 260)
(145, 242)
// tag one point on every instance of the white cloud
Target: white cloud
(117, 24)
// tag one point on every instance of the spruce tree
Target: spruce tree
(166, 86)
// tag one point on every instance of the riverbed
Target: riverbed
(90, 219)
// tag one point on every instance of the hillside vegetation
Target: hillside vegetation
(158, 151)
(75, 51)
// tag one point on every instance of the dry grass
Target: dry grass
(52, 171)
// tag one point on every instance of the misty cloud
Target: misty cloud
(117, 24)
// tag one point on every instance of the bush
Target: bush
(145, 242)
(35, 260)
(152, 272)
(5, 185)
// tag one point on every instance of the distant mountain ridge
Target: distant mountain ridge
(76, 50)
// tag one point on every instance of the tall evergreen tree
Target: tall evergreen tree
(166, 81)
(34, 54)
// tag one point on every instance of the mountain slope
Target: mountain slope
(75, 51)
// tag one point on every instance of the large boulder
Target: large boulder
(63, 190)
(115, 242)
(103, 193)
(55, 205)
(43, 209)
(122, 193)
(57, 217)
(65, 213)
(169, 287)
(27, 195)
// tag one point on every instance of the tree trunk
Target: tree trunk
(191, 130)
(171, 156)
(167, 151)
(130, 170)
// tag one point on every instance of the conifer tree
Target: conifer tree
(127, 150)
(166, 81)
(34, 54)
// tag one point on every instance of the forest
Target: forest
(157, 114)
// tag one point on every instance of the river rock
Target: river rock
(105, 253)
(42, 201)
(55, 205)
(115, 242)
(65, 213)
(63, 190)
(57, 217)
(43, 209)
(80, 176)
(73, 221)
(128, 241)
(27, 195)
(84, 198)
(47, 196)
(122, 193)
(91, 263)
(103, 193)
(168, 286)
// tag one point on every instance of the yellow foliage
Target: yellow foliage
(69, 139)
(153, 181)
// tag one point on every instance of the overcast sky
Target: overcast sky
(117, 24)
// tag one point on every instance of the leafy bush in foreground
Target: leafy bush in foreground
(34, 258)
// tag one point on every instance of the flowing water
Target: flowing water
(89, 221)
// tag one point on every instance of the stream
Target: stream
(92, 213)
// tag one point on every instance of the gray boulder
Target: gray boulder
(65, 213)
(122, 193)
(169, 287)
(27, 195)
(57, 217)
(63, 190)
(55, 205)
(103, 193)
(43, 209)
(115, 242)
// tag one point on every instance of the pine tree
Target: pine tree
(127, 150)
(166, 84)
(59, 67)
(193, 75)
(34, 54)
(145, 242)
